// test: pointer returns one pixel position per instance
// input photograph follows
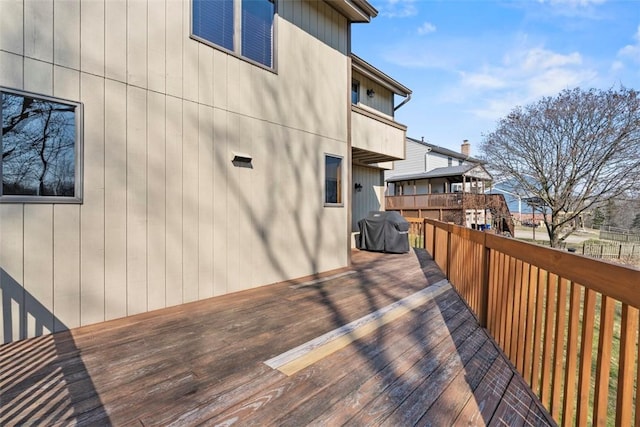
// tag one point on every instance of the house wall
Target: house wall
(376, 136)
(382, 101)
(414, 161)
(166, 218)
(371, 198)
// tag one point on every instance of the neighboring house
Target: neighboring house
(162, 152)
(434, 182)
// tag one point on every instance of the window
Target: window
(333, 180)
(41, 149)
(355, 92)
(449, 161)
(244, 27)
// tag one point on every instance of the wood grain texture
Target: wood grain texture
(203, 362)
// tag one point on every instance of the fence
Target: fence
(568, 323)
(619, 235)
(620, 251)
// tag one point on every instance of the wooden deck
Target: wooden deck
(204, 362)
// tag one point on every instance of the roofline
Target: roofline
(368, 70)
(354, 10)
(448, 151)
(425, 175)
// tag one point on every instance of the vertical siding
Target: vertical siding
(12, 321)
(92, 213)
(371, 198)
(173, 194)
(12, 21)
(156, 200)
(383, 98)
(136, 185)
(115, 203)
(38, 269)
(92, 33)
(115, 44)
(66, 32)
(190, 222)
(166, 217)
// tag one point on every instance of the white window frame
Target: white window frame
(78, 153)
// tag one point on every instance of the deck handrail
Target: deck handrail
(540, 305)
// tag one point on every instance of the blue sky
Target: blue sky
(469, 63)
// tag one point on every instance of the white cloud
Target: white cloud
(539, 58)
(524, 76)
(632, 51)
(426, 28)
(398, 8)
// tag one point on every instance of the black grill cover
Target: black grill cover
(384, 232)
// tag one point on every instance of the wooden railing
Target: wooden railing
(568, 323)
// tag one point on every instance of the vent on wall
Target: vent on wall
(241, 160)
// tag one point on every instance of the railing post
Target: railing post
(484, 290)
(424, 233)
(449, 255)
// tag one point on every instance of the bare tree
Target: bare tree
(38, 139)
(573, 152)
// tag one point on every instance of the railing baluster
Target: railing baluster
(604, 361)
(586, 357)
(572, 356)
(628, 331)
(558, 351)
(548, 339)
(541, 297)
(529, 343)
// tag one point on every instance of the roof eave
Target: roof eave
(355, 10)
(368, 70)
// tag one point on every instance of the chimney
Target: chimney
(465, 148)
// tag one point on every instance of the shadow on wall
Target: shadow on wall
(43, 380)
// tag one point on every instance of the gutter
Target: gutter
(407, 99)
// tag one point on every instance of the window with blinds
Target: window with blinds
(243, 27)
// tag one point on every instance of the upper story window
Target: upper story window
(449, 161)
(40, 141)
(244, 27)
(355, 92)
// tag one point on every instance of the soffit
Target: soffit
(354, 10)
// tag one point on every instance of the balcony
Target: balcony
(375, 137)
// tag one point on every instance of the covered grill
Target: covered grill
(384, 232)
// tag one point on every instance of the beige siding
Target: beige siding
(12, 240)
(382, 100)
(115, 204)
(92, 34)
(115, 55)
(66, 32)
(11, 22)
(377, 136)
(166, 217)
(371, 198)
(92, 213)
(156, 200)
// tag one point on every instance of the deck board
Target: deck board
(204, 362)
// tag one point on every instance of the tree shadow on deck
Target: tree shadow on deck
(43, 380)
